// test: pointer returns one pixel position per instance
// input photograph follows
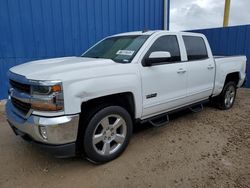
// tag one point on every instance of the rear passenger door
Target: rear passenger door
(201, 68)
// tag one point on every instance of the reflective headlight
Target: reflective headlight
(47, 98)
(45, 90)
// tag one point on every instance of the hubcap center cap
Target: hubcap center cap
(108, 133)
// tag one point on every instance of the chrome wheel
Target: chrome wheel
(109, 134)
(229, 96)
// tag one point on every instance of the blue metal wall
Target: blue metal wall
(230, 41)
(38, 29)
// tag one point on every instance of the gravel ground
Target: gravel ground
(207, 149)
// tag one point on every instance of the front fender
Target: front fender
(81, 91)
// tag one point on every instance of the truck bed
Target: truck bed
(225, 65)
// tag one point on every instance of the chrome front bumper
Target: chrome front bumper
(60, 130)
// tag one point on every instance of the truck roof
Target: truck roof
(150, 32)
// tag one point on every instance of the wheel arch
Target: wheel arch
(91, 107)
(234, 77)
(124, 99)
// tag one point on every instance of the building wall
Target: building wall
(230, 41)
(39, 29)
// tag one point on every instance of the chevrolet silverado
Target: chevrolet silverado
(88, 104)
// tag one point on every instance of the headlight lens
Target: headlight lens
(45, 90)
(47, 98)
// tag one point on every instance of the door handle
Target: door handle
(181, 71)
(210, 67)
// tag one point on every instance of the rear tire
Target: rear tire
(107, 134)
(226, 99)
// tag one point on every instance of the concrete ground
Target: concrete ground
(207, 149)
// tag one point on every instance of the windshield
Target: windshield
(120, 49)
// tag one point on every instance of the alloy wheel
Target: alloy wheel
(229, 96)
(109, 134)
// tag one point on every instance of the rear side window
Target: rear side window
(196, 48)
(167, 43)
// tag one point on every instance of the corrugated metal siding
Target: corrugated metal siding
(230, 41)
(31, 30)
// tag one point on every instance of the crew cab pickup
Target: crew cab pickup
(88, 104)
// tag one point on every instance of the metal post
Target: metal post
(226, 13)
(166, 14)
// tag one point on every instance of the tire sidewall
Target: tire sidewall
(89, 150)
(223, 96)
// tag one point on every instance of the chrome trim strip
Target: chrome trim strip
(23, 97)
(20, 96)
(28, 98)
(22, 79)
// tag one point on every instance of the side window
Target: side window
(168, 43)
(196, 48)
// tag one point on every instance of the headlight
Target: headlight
(47, 98)
(45, 90)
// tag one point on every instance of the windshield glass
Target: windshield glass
(120, 49)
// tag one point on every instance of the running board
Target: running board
(197, 108)
(159, 120)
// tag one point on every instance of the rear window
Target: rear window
(196, 48)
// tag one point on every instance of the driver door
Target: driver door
(164, 84)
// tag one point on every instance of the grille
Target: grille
(20, 87)
(22, 106)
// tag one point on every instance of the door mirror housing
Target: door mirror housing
(157, 57)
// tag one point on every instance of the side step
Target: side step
(197, 108)
(159, 120)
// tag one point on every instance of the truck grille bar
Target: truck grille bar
(20, 86)
(21, 106)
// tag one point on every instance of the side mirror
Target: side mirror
(157, 57)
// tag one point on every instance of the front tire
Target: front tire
(107, 134)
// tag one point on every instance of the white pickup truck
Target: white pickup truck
(87, 105)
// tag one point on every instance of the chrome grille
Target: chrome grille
(21, 106)
(20, 86)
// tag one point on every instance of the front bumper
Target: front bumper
(61, 131)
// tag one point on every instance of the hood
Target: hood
(55, 69)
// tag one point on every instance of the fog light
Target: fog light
(43, 132)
